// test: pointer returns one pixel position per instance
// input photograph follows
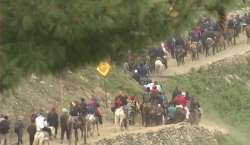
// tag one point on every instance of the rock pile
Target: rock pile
(180, 134)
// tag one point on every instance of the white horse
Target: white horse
(43, 138)
(120, 118)
(159, 66)
(91, 124)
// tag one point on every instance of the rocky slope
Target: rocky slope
(180, 134)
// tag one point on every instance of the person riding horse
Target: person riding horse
(63, 123)
(120, 101)
(42, 129)
(76, 121)
(181, 101)
(180, 50)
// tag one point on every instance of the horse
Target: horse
(132, 111)
(195, 116)
(229, 35)
(180, 53)
(157, 113)
(180, 115)
(159, 66)
(194, 50)
(153, 54)
(195, 111)
(210, 43)
(146, 114)
(121, 118)
(43, 137)
(92, 123)
(247, 29)
(220, 42)
(74, 123)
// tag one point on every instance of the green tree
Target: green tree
(50, 35)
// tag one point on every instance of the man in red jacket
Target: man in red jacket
(181, 102)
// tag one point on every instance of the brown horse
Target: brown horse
(180, 115)
(74, 123)
(194, 50)
(220, 42)
(152, 114)
(180, 54)
(210, 44)
(195, 116)
(145, 109)
(229, 35)
(247, 29)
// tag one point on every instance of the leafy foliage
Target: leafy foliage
(49, 35)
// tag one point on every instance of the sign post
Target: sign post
(104, 68)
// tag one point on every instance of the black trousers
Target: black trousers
(19, 138)
(32, 139)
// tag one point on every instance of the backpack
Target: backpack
(4, 126)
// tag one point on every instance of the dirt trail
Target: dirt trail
(239, 49)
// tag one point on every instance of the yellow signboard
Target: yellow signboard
(104, 68)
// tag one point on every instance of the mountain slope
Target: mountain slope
(224, 92)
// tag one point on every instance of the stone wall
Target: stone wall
(180, 134)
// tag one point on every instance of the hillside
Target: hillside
(224, 90)
(37, 92)
(221, 82)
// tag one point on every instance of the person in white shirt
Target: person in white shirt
(41, 128)
(40, 122)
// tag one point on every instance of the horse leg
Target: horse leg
(85, 132)
(214, 50)
(121, 123)
(92, 128)
(70, 137)
(197, 54)
(76, 136)
(116, 122)
(88, 129)
(97, 128)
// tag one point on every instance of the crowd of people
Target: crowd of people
(49, 122)
(154, 106)
(208, 35)
(156, 109)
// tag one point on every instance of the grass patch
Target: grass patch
(223, 91)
